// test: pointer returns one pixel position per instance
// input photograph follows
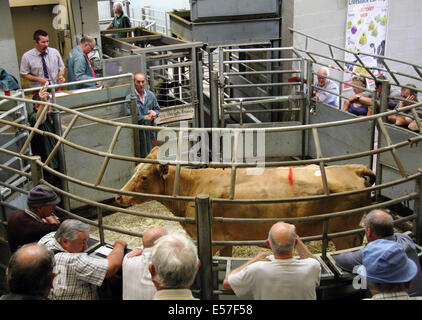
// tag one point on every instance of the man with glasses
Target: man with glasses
(79, 275)
(79, 66)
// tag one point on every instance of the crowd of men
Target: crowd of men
(50, 261)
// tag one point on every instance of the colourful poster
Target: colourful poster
(366, 29)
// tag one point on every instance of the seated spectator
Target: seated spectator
(388, 271)
(31, 224)
(137, 283)
(358, 103)
(279, 276)
(30, 273)
(79, 275)
(409, 95)
(327, 84)
(379, 225)
(174, 265)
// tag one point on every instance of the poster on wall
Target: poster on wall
(366, 29)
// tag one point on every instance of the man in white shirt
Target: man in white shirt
(137, 283)
(324, 96)
(279, 276)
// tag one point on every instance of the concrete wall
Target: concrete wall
(8, 58)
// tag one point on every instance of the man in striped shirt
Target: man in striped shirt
(42, 63)
(79, 275)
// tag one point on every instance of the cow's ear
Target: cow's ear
(163, 169)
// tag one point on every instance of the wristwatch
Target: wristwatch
(357, 98)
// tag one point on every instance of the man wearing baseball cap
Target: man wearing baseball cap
(31, 224)
(388, 270)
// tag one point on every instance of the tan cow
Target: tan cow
(273, 183)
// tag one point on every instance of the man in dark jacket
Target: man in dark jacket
(31, 224)
(379, 225)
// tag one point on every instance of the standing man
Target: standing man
(326, 84)
(279, 276)
(79, 275)
(31, 224)
(43, 145)
(78, 64)
(42, 63)
(148, 110)
(137, 282)
(121, 20)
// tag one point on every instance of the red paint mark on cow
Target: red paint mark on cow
(291, 176)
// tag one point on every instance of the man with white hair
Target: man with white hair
(173, 267)
(279, 276)
(329, 88)
(121, 20)
(137, 283)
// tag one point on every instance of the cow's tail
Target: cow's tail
(367, 174)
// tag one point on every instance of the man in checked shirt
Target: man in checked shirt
(79, 275)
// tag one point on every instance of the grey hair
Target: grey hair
(382, 226)
(386, 287)
(282, 248)
(87, 39)
(69, 229)
(118, 5)
(175, 260)
(327, 70)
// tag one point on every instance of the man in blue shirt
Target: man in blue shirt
(379, 225)
(148, 110)
(78, 65)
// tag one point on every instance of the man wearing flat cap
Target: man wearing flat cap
(31, 224)
(387, 270)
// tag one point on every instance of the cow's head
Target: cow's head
(147, 178)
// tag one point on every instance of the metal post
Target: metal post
(100, 225)
(214, 98)
(418, 209)
(134, 114)
(385, 92)
(306, 109)
(204, 238)
(57, 122)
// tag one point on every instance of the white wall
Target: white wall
(8, 57)
(326, 20)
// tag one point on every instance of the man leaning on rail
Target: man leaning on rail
(38, 219)
(379, 225)
(79, 275)
(279, 276)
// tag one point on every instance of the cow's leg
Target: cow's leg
(226, 251)
(348, 242)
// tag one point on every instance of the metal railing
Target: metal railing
(204, 203)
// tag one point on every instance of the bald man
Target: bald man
(30, 273)
(137, 283)
(279, 276)
(379, 225)
(328, 96)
